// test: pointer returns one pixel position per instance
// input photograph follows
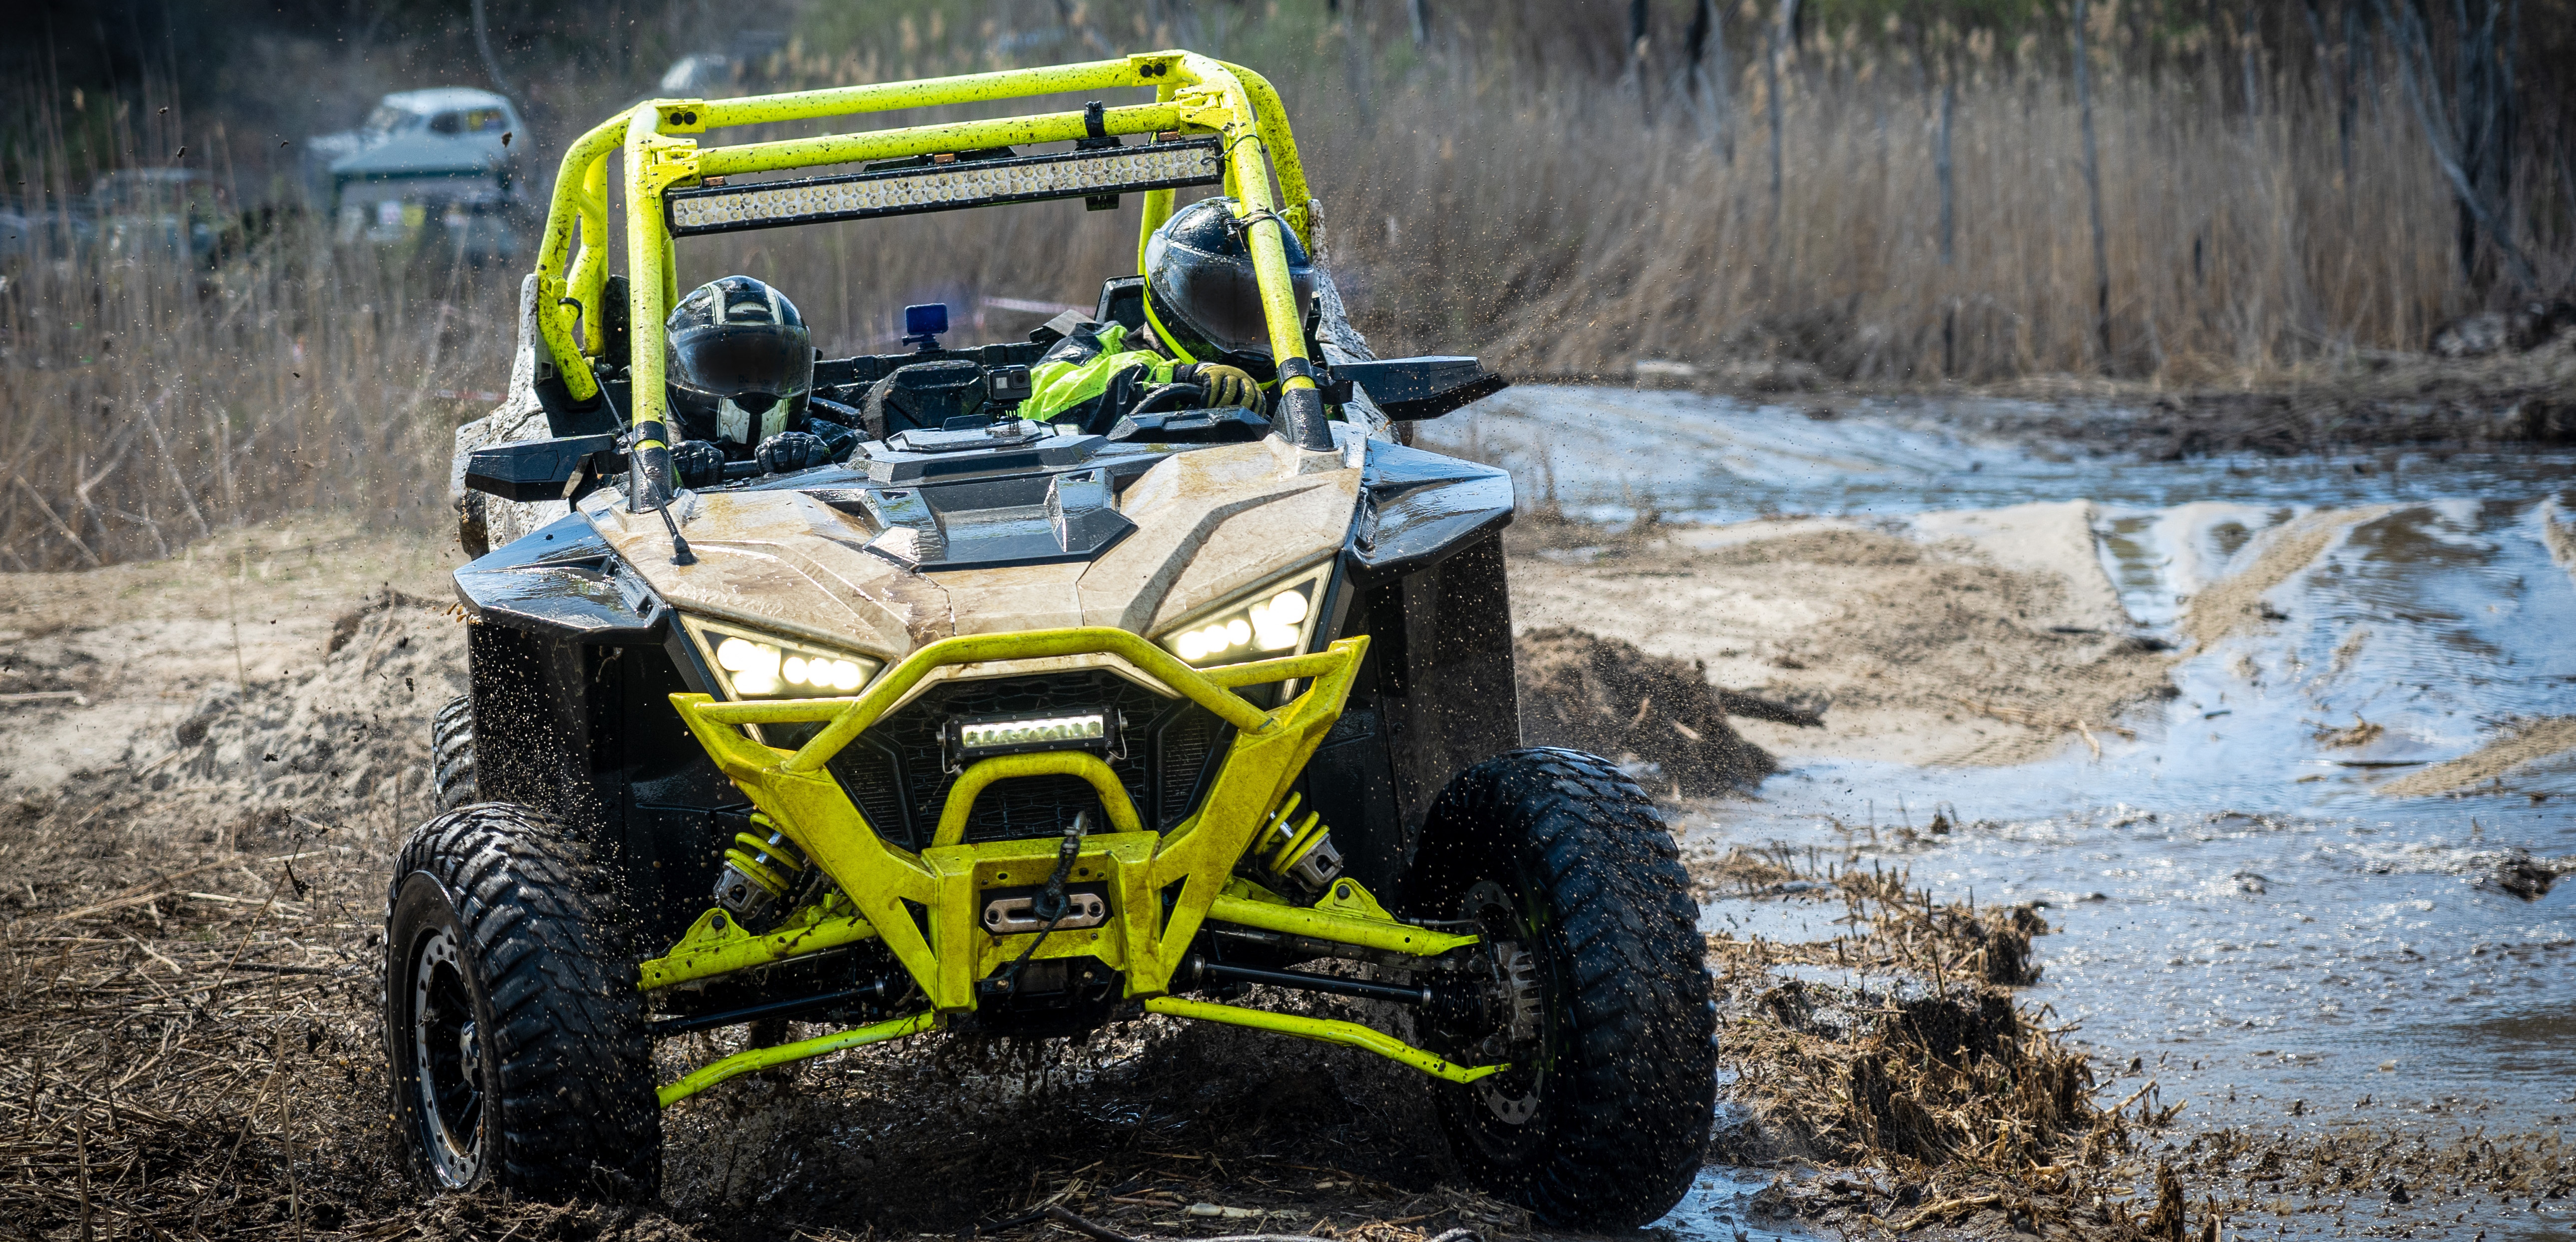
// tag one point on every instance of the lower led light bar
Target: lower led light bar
(982, 737)
(945, 187)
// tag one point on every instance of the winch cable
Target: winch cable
(1050, 903)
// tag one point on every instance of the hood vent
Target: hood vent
(1031, 520)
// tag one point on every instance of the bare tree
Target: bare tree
(1707, 73)
(483, 44)
(2471, 132)
(1634, 75)
(2093, 184)
(1779, 50)
(1941, 167)
(1356, 64)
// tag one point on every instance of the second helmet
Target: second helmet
(1199, 287)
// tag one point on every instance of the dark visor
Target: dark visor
(744, 358)
(1220, 300)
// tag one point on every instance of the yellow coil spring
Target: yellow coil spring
(771, 862)
(1283, 843)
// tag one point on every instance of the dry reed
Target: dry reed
(1475, 199)
(145, 402)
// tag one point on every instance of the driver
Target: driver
(740, 373)
(1203, 309)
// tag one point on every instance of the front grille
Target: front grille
(894, 772)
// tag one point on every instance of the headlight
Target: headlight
(752, 665)
(1273, 621)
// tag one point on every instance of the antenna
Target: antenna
(642, 477)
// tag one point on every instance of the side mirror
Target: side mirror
(526, 470)
(1413, 389)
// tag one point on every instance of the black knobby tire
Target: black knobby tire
(451, 754)
(514, 1035)
(1604, 1118)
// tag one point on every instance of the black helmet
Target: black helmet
(741, 362)
(1199, 287)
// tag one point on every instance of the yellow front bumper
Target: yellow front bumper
(947, 951)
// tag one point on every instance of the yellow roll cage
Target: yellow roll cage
(1193, 94)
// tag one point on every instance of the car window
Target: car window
(447, 123)
(387, 119)
(483, 121)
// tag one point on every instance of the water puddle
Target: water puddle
(1719, 1208)
(1604, 454)
(2240, 910)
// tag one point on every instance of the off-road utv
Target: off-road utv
(1001, 725)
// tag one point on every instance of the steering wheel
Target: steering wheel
(1159, 397)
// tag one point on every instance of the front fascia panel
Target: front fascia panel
(1210, 524)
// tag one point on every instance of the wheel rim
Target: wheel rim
(1511, 1097)
(447, 1056)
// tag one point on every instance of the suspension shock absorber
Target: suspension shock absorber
(1297, 855)
(761, 870)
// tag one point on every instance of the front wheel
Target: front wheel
(514, 1035)
(1595, 989)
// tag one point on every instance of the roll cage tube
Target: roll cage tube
(1193, 94)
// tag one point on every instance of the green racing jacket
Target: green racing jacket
(1086, 364)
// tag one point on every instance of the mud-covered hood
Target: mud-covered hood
(862, 567)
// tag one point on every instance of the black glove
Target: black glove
(698, 463)
(791, 451)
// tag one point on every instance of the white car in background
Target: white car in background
(439, 157)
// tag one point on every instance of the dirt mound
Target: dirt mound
(350, 734)
(1607, 697)
(1929, 653)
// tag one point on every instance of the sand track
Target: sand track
(1929, 647)
(2235, 602)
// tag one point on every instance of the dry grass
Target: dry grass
(146, 402)
(2238, 246)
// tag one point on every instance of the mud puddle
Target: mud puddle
(2319, 882)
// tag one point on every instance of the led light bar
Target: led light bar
(752, 665)
(982, 737)
(994, 733)
(1274, 622)
(945, 187)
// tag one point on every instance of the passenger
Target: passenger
(1204, 311)
(740, 378)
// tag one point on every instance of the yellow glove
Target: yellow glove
(1229, 386)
